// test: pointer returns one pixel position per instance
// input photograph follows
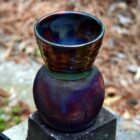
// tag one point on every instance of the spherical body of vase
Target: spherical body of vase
(69, 90)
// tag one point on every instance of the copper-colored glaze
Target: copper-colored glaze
(69, 57)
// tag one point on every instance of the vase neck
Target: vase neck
(69, 76)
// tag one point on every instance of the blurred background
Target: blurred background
(118, 60)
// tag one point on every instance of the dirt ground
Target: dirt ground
(118, 60)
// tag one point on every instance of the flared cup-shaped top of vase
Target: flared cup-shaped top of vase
(69, 41)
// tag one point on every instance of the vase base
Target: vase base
(66, 129)
(103, 129)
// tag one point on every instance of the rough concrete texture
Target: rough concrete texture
(103, 129)
(19, 132)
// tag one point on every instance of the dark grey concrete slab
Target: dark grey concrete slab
(19, 132)
(103, 129)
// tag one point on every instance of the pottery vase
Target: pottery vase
(68, 89)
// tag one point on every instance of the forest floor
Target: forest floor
(118, 60)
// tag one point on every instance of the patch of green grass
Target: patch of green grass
(10, 116)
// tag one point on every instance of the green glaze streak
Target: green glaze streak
(69, 76)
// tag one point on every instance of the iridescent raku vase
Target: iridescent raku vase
(69, 90)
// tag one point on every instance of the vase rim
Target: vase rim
(99, 37)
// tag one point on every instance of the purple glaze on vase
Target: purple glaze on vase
(68, 105)
(68, 91)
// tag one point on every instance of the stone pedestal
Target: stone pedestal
(103, 129)
(3, 137)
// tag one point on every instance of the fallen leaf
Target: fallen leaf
(3, 93)
(127, 115)
(137, 75)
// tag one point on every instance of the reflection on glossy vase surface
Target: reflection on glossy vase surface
(68, 105)
(68, 90)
